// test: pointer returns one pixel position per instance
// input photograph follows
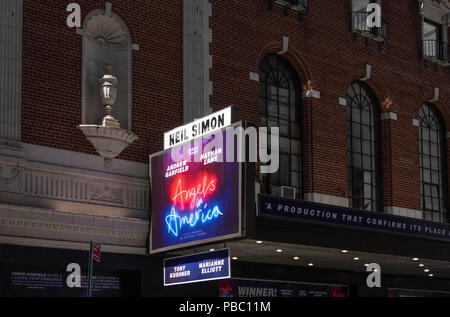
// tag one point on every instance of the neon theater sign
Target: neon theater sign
(194, 201)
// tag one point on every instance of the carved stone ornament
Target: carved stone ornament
(109, 142)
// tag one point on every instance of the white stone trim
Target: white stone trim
(68, 184)
(404, 212)
(90, 163)
(342, 101)
(197, 59)
(368, 73)
(327, 199)
(254, 76)
(136, 47)
(11, 70)
(65, 197)
(311, 94)
(108, 7)
(26, 226)
(53, 244)
(389, 116)
(435, 95)
(47, 224)
(285, 45)
(437, 12)
(53, 178)
(257, 192)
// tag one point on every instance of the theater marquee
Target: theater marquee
(197, 199)
(212, 123)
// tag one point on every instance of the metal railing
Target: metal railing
(298, 3)
(434, 49)
(302, 4)
(359, 24)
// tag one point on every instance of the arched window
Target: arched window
(363, 144)
(106, 41)
(280, 106)
(433, 164)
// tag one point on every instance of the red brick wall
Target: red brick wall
(52, 73)
(322, 49)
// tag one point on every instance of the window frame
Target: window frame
(442, 161)
(438, 26)
(356, 102)
(277, 64)
(439, 47)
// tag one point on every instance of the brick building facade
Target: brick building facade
(189, 59)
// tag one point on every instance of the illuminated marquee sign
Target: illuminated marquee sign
(196, 199)
(270, 206)
(245, 288)
(196, 268)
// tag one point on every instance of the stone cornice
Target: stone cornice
(67, 181)
(435, 10)
(72, 228)
(62, 199)
(35, 223)
(58, 244)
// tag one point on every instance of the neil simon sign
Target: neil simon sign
(212, 123)
(194, 201)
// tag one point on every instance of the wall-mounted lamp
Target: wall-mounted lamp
(108, 139)
(108, 93)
